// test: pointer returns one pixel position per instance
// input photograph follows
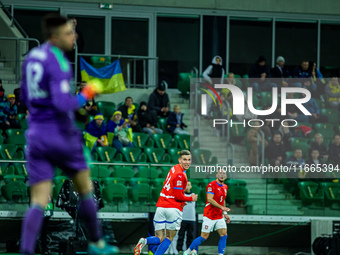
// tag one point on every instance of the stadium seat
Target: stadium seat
(106, 108)
(266, 98)
(332, 114)
(58, 184)
(157, 156)
(310, 192)
(233, 183)
(140, 193)
(13, 178)
(203, 157)
(183, 84)
(14, 191)
(3, 169)
(174, 154)
(304, 147)
(164, 141)
(59, 179)
(125, 172)
(15, 136)
(21, 116)
(133, 155)
(237, 132)
(112, 180)
(299, 140)
(115, 193)
(332, 192)
(327, 130)
(10, 151)
(23, 123)
(156, 192)
(158, 182)
(237, 195)
(100, 172)
(289, 154)
(183, 141)
(106, 154)
(141, 140)
(20, 169)
(81, 125)
(146, 172)
(162, 124)
(138, 180)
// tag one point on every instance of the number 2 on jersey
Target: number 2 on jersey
(34, 73)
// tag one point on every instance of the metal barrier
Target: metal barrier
(18, 55)
(131, 76)
(258, 146)
(13, 20)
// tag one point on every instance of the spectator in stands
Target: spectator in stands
(311, 106)
(317, 77)
(303, 72)
(253, 138)
(96, 133)
(334, 150)
(2, 91)
(280, 71)
(12, 112)
(129, 113)
(4, 123)
(21, 108)
(159, 101)
(314, 158)
(175, 122)
(261, 72)
(332, 91)
(215, 70)
(121, 130)
(148, 120)
(89, 108)
(275, 151)
(221, 111)
(296, 161)
(232, 81)
(320, 146)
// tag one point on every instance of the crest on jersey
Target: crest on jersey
(179, 183)
(209, 189)
(206, 227)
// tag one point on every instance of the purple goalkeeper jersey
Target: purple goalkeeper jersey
(45, 88)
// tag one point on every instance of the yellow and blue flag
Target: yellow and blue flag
(111, 76)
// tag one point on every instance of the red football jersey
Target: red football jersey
(176, 181)
(220, 193)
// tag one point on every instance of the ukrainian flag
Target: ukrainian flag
(111, 76)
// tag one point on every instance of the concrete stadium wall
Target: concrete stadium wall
(324, 7)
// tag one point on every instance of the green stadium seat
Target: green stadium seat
(23, 123)
(10, 151)
(141, 140)
(15, 136)
(14, 191)
(327, 130)
(138, 180)
(146, 172)
(99, 172)
(237, 132)
(332, 191)
(157, 156)
(310, 192)
(125, 172)
(158, 182)
(156, 192)
(299, 140)
(164, 141)
(140, 193)
(289, 154)
(304, 147)
(13, 178)
(60, 179)
(106, 108)
(106, 154)
(4, 169)
(233, 183)
(112, 180)
(183, 141)
(204, 157)
(21, 116)
(115, 193)
(266, 98)
(332, 114)
(133, 155)
(20, 169)
(237, 195)
(174, 154)
(81, 125)
(162, 124)
(183, 84)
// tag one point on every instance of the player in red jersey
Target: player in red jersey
(168, 215)
(213, 218)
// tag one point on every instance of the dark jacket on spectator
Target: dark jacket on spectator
(273, 151)
(298, 73)
(322, 148)
(172, 122)
(146, 117)
(276, 73)
(334, 152)
(312, 106)
(125, 115)
(256, 70)
(157, 102)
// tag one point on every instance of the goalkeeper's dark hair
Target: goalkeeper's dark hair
(51, 23)
(184, 153)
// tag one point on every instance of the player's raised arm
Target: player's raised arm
(211, 200)
(179, 190)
